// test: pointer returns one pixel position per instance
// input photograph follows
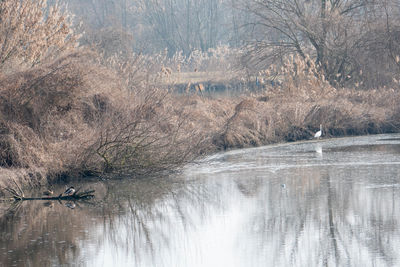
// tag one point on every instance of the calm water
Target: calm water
(325, 203)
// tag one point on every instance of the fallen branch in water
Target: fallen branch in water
(75, 196)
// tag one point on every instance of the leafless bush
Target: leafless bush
(148, 135)
(76, 114)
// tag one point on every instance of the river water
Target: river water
(316, 203)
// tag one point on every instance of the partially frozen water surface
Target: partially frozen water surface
(315, 203)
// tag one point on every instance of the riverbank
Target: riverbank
(74, 117)
(274, 118)
(93, 126)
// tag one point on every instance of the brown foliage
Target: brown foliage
(294, 109)
(73, 117)
(31, 32)
(28, 97)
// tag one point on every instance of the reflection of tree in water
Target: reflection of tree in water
(140, 216)
(326, 221)
(134, 217)
(329, 216)
(46, 233)
(34, 233)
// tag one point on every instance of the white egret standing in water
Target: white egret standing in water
(319, 133)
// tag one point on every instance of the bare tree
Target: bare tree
(184, 24)
(333, 32)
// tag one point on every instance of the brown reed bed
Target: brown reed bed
(294, 109)
(75, 118)
(264, 120)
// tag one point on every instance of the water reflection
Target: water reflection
(286, 205)
(37, 233)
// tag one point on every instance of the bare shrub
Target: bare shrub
(72, 115)
(151, 134)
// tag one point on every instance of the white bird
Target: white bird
(70, 191)
(319, 133)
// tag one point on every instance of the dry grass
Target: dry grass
(295, 109)
(74, 117)
(259, 120)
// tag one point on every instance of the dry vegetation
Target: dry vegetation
(75, 117)
(294, 109)
(84, 112)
